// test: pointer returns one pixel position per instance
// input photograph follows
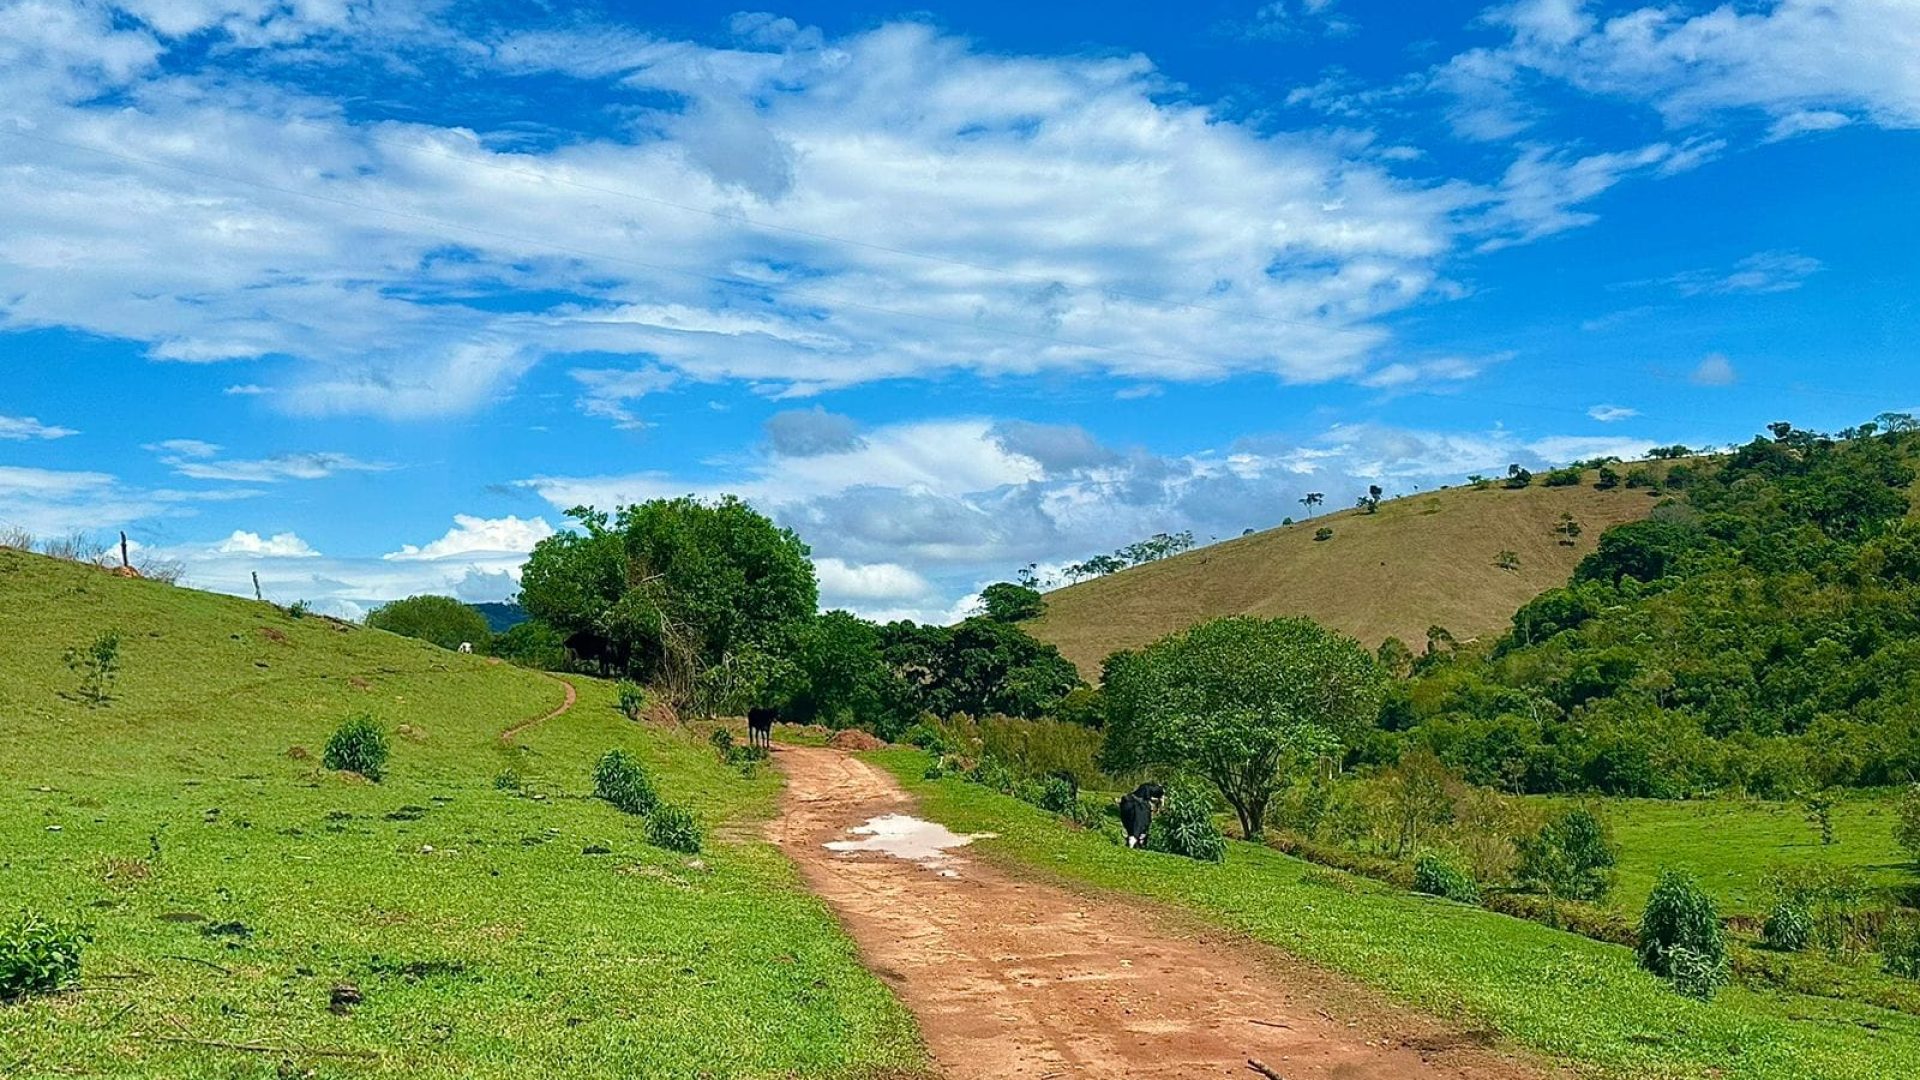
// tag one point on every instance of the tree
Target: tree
(1518, 477)
(1312, 499)
(440, 619)
(532, 644)
(1243, 702)
(1009, 603)
(1907, 829)
(1608, 479)
(840, 677)
(1370, 502)
(670, 588)
(1395, 658)
(978, 667)
(1567, 530)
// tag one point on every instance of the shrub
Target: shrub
(442, 620)
(1567, 477)
(722, 742)
(1058, 795)
(508, 780)
(1323, 533)
(1680, 936)
(1906, 829)
(633, 699)
(299, 609)
(1435, 874)
(928, 737)
(97, 663)
(989, 772)
(1184, 825)
(1833, 897)
(622, 781)
(1789, 926)
(1900, 946)
(1571, 857)
(674, 828)
(358, 746)
(38, 956)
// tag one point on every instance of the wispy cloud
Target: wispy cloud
(1612, 414)
(1761, 272)
(1715, 370)
(27, 427)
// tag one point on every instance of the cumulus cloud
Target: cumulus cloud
(27, 427)
(810, 432)
(862, 585)
(474, 536)
(1715, 370)
(1056, 448)
(284, 545)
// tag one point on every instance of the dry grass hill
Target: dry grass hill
(1422, 560)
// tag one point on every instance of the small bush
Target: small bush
(1184, 825)
(1834, 898)
(674, 828)
(633, 699)
(97, 663)
(299, 609)
(1571, 857)
(1789, 926)
(1906, 829)
(38, 956)
(1680, 936)
(1058, 795)
(928, 737)
(989, 772)
(1435, 874)
(1323, 534)
(722, 742)
(508, 780)
(622, 781)
(1900, 946)
(359, 746)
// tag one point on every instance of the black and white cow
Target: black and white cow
(1136, 812)
(760, 726)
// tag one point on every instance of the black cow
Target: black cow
(760, 726)
(1136, 812)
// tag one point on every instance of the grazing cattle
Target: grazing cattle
(760, 726)
(466, 646)
(1136, 812)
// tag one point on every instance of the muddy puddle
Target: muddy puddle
(902, 836)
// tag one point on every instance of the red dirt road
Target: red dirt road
(1015, 978)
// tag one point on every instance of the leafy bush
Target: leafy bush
(1907, 829)
(1184, 825)
(1571, 857)
(674, 828)
(1435, 874)
(531, 644)
(990, 772)
(1057, 795)
(38, 956)
(1323, 533)
(358, 746)
(623, 782)
(1680, 936)
(1834, 898)
(1900, 946)
(442, 620)
(97, 663)
(1789, 926)
(722, 742)
(508, 780)
(633, 698)
(928, 737)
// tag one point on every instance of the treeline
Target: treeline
(1760, 633)
(715, 606)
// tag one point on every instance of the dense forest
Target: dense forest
(1760, 633)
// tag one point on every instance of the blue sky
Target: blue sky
(362, 296)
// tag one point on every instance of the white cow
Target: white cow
(466, 646)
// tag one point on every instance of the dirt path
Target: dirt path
(1013, 978)
(508, 735)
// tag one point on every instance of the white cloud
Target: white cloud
(27, 427)
(858, 585)
(183, 448)
(196, 460)
(811, 432)
(1761, 272)
(477, 536)
(1715, 370)
(245, 390)
(1612, 414)
(284, 545)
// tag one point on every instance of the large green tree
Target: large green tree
(1241, 701)
(978, 667)
(440, 619)
(669, 589)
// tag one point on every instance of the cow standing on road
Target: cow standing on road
(760, 726)
(1136, 812)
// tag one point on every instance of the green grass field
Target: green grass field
(485, 942)
(1731, 843)
(1551, 992)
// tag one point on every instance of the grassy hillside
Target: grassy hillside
(230, 883)
(1421, 561)
(1564, 996)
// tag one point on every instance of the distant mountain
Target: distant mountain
(502, 617)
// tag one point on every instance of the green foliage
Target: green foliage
(669, 588)
(1906, 829)
(1789, 926)
(532, 644)
(38, 956)
(440, 619)
(929, 737)
(1820, 814)
(1508, 559)
(632, 698)
(1323, 533)
(358, 745)
(299, 609)
(978, 667)
(1243, 702)
(1437, 875)
(1680, 936)
(1567, 477)
(1608, 479)
(674, 828)
(1517, 478)
(1571, 857)
(1184, 825)
(1156, 547)
(1082, 705)
(624, 782)
(509, 780)
(841, 678)
(1900, 946)
(98, 664)
(1834, 898)
(1003, 601)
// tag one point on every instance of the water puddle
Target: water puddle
(901, 836)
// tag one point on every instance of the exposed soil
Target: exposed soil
(1022, 978)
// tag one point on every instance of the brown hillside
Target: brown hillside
(1423, 560)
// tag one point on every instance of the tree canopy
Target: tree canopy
(1241, 701)
(440, 619)
(1006, 602)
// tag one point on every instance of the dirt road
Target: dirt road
(1015, 978)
